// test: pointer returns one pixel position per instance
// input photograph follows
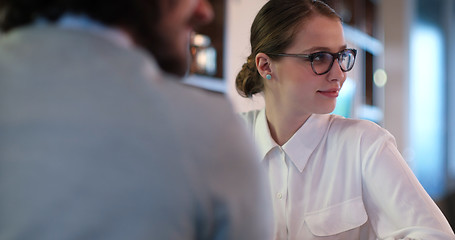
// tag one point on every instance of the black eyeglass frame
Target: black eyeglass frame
(313, 55)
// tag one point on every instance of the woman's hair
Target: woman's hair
(273, 30)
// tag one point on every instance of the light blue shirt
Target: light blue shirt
(97, 143)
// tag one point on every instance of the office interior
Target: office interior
(403, 79)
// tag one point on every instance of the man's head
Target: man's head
(161, 26)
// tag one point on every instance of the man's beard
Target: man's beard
(177, 65)
(168, 59)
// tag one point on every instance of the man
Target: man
(98, 143)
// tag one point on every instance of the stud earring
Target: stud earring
(268, 76)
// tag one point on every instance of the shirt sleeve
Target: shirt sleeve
(397, 204)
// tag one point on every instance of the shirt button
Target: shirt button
(279, 195)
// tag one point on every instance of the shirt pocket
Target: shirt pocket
(338, 218)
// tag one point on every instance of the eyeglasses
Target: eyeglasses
(322, 62)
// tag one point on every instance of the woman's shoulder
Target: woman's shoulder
(250, 114)
(249, 118)
(356, 127)
(358, 132)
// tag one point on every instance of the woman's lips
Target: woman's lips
(331, 93)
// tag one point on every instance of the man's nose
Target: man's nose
(203, 13)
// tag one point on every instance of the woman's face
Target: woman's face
(296, 85)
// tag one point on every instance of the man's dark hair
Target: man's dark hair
(140, 18)
(137, 16)
(16, 13)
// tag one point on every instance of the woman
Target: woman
(330, 177)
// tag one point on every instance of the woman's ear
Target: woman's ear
(263, 64)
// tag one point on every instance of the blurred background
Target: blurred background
(403, 79)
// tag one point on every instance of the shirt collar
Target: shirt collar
(82, 22)
(262, 135)
(112, 34)
(304, 142)
(300, 146)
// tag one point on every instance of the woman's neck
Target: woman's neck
(283, 122)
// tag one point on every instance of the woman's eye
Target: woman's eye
(322, 58)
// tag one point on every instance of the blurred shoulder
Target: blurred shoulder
(195, 103)
(205, 116)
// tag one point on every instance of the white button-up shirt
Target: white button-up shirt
(340, 178)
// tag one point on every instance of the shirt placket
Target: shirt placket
(278, 176)
(282, 194)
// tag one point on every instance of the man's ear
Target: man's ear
(263, 64)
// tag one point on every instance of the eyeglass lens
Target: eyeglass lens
(322, 62)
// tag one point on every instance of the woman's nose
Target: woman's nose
(335, 73)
